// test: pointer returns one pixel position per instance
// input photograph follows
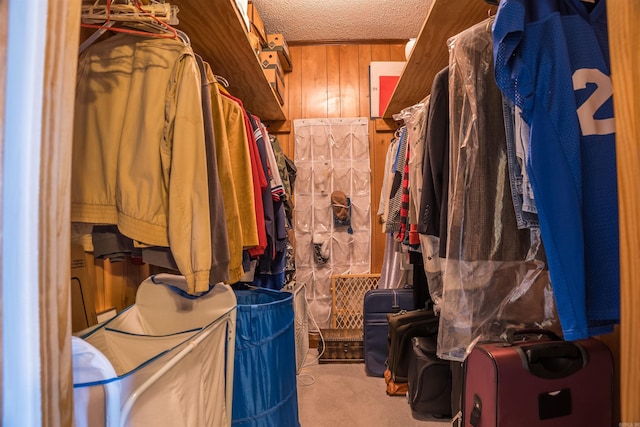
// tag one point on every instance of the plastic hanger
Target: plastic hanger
(148, 20)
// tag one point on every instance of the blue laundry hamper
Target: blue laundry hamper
(264, 383)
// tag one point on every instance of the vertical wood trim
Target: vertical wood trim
(380, 52)
(624, 37)
(364, 58)
(283, 139)
(379, 145)
(378, 150)
(54, 216)
(397, 52)
(113, 284)
(294, 104)
(285, 94)
(117, 283)
(4, 24)
(349, 81)
(334, 98)
(98, 278)
(314, 82)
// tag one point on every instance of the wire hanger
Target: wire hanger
(153, 19)
(224, 82)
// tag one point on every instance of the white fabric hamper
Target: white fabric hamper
(167, 360)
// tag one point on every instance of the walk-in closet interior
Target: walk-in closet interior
(195, 318)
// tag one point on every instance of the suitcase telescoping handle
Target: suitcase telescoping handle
(512, 334)
(395, 305)
(553, 360)
(550, 359)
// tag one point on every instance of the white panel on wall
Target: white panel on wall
(331, 155)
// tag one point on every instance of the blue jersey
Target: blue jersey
(552, 60)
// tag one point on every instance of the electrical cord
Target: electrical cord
(308, 379)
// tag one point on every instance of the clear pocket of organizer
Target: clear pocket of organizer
(341, 137)
(320, 146)
(360, 213)
(322, 282)
(303, 215)
(304, 249)
(361, 178)
(360, 144)
(361, 247)
(342, 176)
(340, 246)
(304, 178)
(322, 214)
(322, 178)
(303, 144)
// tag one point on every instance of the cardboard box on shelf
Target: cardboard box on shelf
(270, 59)
(255, 43)
(277, 43)
(257, 26)
(276, 82)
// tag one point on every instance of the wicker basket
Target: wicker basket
(341, 346)
(347, 291)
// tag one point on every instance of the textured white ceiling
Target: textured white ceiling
(346, 20)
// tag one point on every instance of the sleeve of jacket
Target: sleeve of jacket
(189, 225)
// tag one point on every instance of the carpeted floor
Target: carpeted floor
(342, 395)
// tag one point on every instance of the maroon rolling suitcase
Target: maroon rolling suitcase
(539, 383)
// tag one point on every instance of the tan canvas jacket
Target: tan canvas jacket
(139, 156)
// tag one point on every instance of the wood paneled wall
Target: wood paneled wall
(116, 283)
(329, 81)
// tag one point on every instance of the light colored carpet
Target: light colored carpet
(343, 395)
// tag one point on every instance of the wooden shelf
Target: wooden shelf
(218, 33)
(386, 125)
(281, 127)
(430, 54)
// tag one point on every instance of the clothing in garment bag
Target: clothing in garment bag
(552, 61)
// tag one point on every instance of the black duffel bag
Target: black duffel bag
(403, 326)
(429, 380)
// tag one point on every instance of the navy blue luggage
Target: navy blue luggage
(377, 303)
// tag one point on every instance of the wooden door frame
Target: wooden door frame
(49, 184)
(624, 36)
(61, 58)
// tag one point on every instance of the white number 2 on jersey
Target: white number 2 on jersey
(586, 112)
